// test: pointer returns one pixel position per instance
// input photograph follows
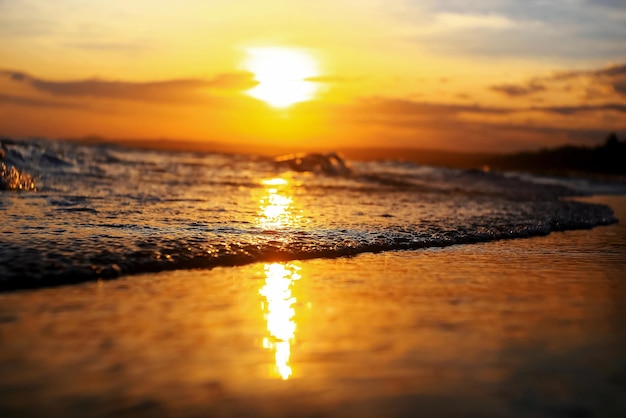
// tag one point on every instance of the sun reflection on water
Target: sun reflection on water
(276, 205)
(278, 310)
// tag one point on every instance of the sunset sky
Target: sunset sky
(493, 75)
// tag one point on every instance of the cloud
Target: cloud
(403, 108)
(475, 127)
(572, 110)
(549, 12)
(613, 77)
(178, 90)
(524, 28)
(614, 70)
(398, 112)
(517, 90)
(607, 79)
(35, 102)
(455, 21)
(620, 87)
(619, 4)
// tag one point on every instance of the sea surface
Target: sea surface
(71, 212)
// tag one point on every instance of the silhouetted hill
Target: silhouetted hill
(609, 158)
(606, 159)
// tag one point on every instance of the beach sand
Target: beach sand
(517, 328)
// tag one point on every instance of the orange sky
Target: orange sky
(490, 76)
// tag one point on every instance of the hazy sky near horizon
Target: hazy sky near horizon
(493, 75)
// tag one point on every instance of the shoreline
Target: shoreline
(511, 328)
(114, 272)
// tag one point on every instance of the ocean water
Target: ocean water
(71, 212)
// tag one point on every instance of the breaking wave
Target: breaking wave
(104, 211)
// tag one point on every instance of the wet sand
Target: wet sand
(519, 328)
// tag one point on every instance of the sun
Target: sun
(282, 74)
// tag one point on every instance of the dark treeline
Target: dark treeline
(606, 159)
(609, 158)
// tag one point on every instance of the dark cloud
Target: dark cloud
(614, 70)
(396, 112)
(572, 110)
(35, 102)
(615, 76)
(612, 77)
(399, 107)
(517, 90)
(180, 90)
(16, 76)
(620, 87)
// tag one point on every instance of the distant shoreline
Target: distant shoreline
(568, 160)
(603, 162)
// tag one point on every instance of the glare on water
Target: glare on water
(276, 205)
(279, 313)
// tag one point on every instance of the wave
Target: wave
(12, 178)
(39, 265)
(103, 212)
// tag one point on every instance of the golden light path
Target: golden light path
(279, 313)
(276, 212)
(276, 205)
(282, 75)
